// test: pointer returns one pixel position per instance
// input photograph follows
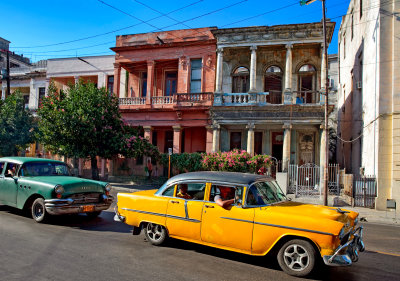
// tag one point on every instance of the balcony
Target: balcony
(176, 100)
(267, 98)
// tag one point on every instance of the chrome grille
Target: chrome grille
(86, 198)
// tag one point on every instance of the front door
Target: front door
(9, 185)
(185, 210)
(231, 227)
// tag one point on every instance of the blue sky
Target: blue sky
(40, 29)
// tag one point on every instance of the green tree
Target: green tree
(85, 122)
(17, 125)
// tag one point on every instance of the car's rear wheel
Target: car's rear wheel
(297, 257)
(38, 210)
(156, 234)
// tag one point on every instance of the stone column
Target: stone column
(150, 81)
(253, 69)
(216, 137)
(76, 79)
(286, 146)
(33, 95)
(117, 78)
(177, 139)
(148, 133)
(250, 138)
(218, 77)
(322, 155)
(122, 84)
(47, 86)
(288, 96)
(3, 90)
(209, 139)
(323, 77)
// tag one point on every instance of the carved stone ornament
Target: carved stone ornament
(306, 147)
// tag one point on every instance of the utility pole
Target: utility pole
(326, 90)
(8, 73)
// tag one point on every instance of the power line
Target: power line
(106, 33)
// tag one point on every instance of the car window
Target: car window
(11, 169)
(169, 191)
(33, 169)
(193, 191)
(1, 167)
(264, 193)
(226, 193)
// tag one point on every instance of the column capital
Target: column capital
(117, 65)
(251, 126)
(216, 126)
(322, 126)
(177, 128)
(253, 48)
(147, 128)
(151, 63)
(289, 46)
(287, 126)
(220, 50)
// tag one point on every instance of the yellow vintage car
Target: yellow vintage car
(245, 213)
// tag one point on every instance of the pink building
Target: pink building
(165, 82)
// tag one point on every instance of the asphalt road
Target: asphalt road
(78, 248)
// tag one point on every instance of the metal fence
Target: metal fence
(364, 191)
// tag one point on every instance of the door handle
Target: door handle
(208, 206)
(173, 202)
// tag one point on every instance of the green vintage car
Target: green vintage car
(46, 187)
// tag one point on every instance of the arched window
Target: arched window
(307, 81)
(273, 84)
(240, 80)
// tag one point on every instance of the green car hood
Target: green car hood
(71, 184)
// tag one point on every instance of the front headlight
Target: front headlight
(59, 190)
(107, 188)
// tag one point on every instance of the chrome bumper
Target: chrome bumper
(117, 216)
(349, 250)
(67, 206)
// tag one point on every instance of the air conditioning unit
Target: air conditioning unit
(359, 84)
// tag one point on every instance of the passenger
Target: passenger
(11, 171)
(183, 188)
(226, 197)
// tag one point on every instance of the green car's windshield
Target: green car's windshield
(264, 193)
(35, 169)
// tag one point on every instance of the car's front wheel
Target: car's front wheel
(156, 234)
(38, 210)
(297, 257)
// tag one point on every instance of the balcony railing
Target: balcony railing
(181, 99)
(306, 97)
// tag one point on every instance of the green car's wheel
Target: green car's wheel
(156, 234)
(297, 257)
(38, 210)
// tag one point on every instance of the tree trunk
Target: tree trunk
(95, 169)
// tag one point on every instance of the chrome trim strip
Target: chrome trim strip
(186, 210)
(280, 226)
(162, 215)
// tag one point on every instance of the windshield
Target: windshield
(264, 193)
(35, 169)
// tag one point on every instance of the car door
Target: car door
(231, 227)
(9, 185)
(184, 212)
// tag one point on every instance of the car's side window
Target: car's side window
(11, 169)
(169, 191)
(1, 167)
(193, 191)
(226, 193)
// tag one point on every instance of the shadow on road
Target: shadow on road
(104, 222)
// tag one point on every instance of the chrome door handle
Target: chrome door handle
(173, 202)
(209, 206)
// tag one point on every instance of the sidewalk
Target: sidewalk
(366, 214)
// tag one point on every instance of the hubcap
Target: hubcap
(296, 257)
(38, 210)
(154, 231)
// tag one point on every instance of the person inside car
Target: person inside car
(183, 188)
(226, 196)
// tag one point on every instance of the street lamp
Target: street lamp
(325, 183)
